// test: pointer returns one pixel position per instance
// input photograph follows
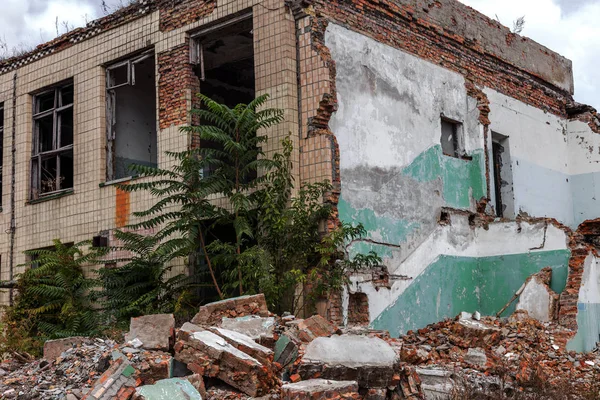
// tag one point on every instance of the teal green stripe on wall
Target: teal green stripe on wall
(462, 179)
(453, 284)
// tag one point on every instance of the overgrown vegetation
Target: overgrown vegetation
(53, 299)
(232, 213)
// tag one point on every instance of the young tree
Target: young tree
(185, 213)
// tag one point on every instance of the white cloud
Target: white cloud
(569, 27)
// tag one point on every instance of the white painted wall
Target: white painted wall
(539, 157)
(459, 239)
(584, 163)
(391, 103)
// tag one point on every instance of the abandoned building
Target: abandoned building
(455, 142)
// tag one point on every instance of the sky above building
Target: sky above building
(569, 27)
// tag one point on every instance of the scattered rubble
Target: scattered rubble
(320, 389)
(261, 356)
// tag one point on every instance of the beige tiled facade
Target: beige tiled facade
(94, 207)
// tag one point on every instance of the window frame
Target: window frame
(111, 105)
(457, 136)
(57, 149)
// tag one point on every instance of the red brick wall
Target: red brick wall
(177, 13)
(358, 309)
(392, 24)
(176, 86)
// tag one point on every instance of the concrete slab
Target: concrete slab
(368, 360)
(212, 314)
(436, 384)
(209, 354)
(169, 389)
(245, 343)
(319, 389)
(156, 332)
(250, 325)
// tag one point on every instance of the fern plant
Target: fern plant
(54, 294)
(143, 284)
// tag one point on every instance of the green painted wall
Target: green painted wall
(462, 179)
(454, 284)
(382, 228)
(588, 328)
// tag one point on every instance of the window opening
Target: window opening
(451, 143)
(52, 158)
(503, 186)
(224, 58)
(131, 115)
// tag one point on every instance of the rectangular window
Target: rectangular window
(52, 156)
(224, 58)
(451, 140)
(1, 148)
(502, 176)
(131, 115)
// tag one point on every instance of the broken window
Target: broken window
(1, 147)
(502, 176)
(52, 158)
(224, 59)
(131, 115)
(451, 141)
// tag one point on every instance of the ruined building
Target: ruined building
(455, 142)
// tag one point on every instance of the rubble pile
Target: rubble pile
(236, 349)
(519, 348)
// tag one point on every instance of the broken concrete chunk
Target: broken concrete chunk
(314, 327)
(189, 327)
(197, 382)
(245, 343)
(250, 325)
(436, 383)
(476, 357)
(211, 355)
(156, 332)
(54, 348)
(370, 361)
(286, 350)
(320, 389)
(212, 314)
(168, 389)
(537, 298)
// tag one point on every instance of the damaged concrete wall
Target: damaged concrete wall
(459, 268)
(395, 179)
(584, 160)
(588, 308)
(539, 167)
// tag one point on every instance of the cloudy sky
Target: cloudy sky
(569, 27)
